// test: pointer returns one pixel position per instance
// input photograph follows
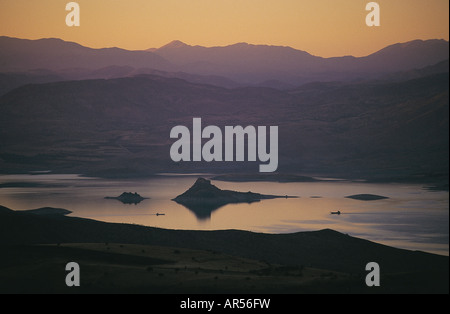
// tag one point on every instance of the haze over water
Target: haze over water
(411, 218)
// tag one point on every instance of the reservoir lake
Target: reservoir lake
(412, 217)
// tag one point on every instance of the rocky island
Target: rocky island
(204, 192)
(128, 198)
(203, 197)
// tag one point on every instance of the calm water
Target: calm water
(412, 217)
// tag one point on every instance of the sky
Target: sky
(326, 28)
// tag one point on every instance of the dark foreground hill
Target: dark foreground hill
(336, 253)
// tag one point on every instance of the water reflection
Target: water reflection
(412, 218)
(201, 211)
(127, 198)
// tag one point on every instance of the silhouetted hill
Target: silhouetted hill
(273, 66)
(12, 80)
(325, 249)
(55, 54)
(409, 55)
(122, 126)
(438, 68)
(284, 65)
(5, 210)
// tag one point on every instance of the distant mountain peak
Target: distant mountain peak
(175, 44)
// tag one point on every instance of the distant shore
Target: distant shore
(431, 182)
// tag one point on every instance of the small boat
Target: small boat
(336, 213)
(158, 214)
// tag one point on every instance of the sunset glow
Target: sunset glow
(324, 28)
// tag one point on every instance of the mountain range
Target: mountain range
(109, 112)
(254, 63)
(230, 66)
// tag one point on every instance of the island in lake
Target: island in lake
(203, 197)
(128, 198)
(367, 197)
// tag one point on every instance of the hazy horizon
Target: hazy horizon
(153, 49)
(326, 28)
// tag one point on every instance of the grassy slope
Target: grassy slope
(216, 261)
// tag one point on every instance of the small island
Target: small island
(203, 197)
(128, 198)
(367, 197)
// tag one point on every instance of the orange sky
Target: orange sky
(322, 27)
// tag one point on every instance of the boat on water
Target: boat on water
(336, 213)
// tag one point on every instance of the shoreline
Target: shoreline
(431, 182)
(47, 182)
(61, 214)
(323, 261)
